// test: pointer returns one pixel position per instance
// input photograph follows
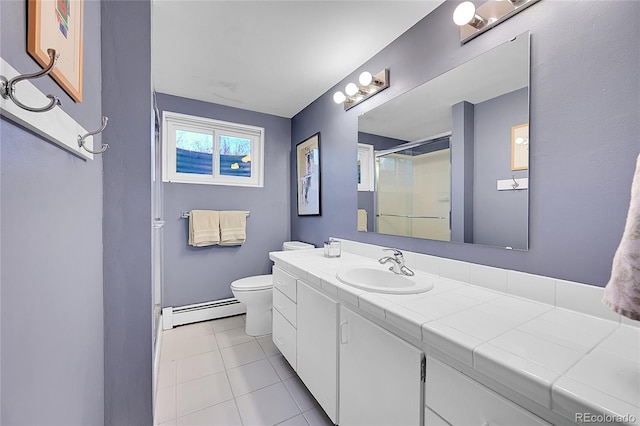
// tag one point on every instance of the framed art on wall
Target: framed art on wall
(308, 176)
(58, 24)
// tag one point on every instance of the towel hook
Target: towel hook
(105, 146)
(515, 183)
(7, 88)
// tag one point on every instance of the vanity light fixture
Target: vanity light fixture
(474, 21)
(369, 86)
(465, 14)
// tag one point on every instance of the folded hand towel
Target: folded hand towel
(204, 228)
(233, 225)
(622, 293)
(362, 220)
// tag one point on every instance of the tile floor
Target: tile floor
(212, 373)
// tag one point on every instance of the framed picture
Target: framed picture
(308, 176)
(520, 147)
(58, 24)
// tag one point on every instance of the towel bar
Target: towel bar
(186, 214)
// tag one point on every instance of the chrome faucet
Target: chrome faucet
(397, 263)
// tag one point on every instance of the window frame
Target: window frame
(172, 121)
(366, 154)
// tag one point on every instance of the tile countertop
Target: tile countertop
(565, 361)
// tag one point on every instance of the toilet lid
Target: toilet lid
(258, 282)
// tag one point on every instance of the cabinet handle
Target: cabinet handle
(343, 332)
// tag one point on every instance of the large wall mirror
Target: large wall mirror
(450, 158)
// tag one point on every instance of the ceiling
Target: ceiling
(274, 57)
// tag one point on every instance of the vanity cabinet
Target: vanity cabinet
(460, 400)
(317, 347)
(380, 375)
(284, 315)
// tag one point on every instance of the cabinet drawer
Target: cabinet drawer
(284, 282)
(462, 401)
(284, 337)
(285, 306)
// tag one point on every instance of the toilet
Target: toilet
(256, 293)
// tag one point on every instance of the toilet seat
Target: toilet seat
(258, 282)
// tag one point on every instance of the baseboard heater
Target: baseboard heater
(172, 317)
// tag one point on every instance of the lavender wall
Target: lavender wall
(202, 274)
(126, 99)
(500, 218)
(51, 245)
(584, 134)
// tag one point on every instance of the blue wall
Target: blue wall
(51, 245)
(584, 134)
(202, 274)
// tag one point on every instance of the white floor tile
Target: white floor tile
(201, 393)
(165, 404)
(223, 414)
(235, 356)
(282, 367)
(194, 345)
(300, 394)
(192, 330)
(197, 366)
(267, 406)
(298, 420)
(232, 337)
(317, 417)
(228, 323)
(167, 374)
(251, 377)
(269, 348)
(168, 349)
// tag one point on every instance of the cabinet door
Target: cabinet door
(380, 375)
(317, 365)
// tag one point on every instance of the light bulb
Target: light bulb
(339, 97)
(520, 140)
(351, 89)
(365, 78)
(464, 13)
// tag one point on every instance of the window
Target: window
(205, 151)
(365, 167)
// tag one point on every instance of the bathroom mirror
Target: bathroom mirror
(443, 154)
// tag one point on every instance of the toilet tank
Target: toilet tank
(296, 245)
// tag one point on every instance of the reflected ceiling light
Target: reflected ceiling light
(474, 21)
(369, 86)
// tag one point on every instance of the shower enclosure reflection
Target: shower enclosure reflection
(413, 186)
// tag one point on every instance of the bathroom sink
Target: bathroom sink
(384, 281)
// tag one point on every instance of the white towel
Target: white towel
(204, 228)
(622, 293)
(362, 220)
(233, 228)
